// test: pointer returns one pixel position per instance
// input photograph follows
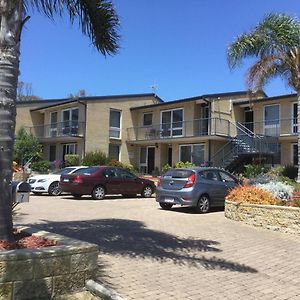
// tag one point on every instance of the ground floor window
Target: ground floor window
(295, 154)
(114, 151)
(193, 153)
(70, 149)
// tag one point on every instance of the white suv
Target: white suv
(49, 183)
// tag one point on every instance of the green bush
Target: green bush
(41, 166)
(96, 158)
(254, 170)
(165, 168)
(72, 160)
(181, 164)
(118, 164)
(290, 172)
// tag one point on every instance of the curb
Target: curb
(102, 291)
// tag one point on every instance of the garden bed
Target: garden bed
(278, 218)
(46, 272)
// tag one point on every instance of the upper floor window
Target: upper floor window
(147, 119)
(295, 118)
(53, 124)
(70, 121)
(115, 124)
(172, 123)
(271, 119)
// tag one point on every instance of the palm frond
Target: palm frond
(98, 19)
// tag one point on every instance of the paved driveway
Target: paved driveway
(148, 253)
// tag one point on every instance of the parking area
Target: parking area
(149, 253)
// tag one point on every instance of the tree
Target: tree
(275, 43)
(97, 19)
(25, 92)
(27, 147)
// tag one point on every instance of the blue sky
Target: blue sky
(179, 46)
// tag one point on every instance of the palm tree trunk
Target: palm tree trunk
(10, 27)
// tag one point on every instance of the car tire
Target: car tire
(98, 192)
(54, 189)
(77, 196)
(165, 206)
(203, 204)
(147, 191)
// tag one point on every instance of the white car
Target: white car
(49, 183)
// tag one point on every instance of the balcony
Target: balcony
(183, 129)
(67, 129)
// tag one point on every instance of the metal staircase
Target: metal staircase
(243, 147)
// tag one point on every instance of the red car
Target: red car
(103, 180)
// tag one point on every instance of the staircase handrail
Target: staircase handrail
(246, 129)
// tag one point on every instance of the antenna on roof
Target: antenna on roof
(154, 88)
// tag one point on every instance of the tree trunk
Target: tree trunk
(298, 131)
(10, 27)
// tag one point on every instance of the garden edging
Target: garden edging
(273, 217)
(47, 272)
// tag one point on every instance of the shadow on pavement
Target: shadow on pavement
(128, 238)
(191, 210)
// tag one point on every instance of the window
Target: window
(69, 149)
(295, 154)
(209, 175)
(70, 121)
(271, 123)
(115, 124)
(53, 124)
(124, 174)
(192, 153)
(172, 123)
(114, 151)
(147, 119)
(295, 118)
(226, 177)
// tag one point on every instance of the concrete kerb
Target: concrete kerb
(102, 291)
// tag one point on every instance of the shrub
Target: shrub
(260, 179)
(181, 164)
(71, 160)
(118, 164)
(251, 194)
(40, 166)
(279, 189)
(290, 172)
(165, 168)
(253, 170)
(275, 172)
(96, 158)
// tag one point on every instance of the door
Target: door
(53, 124)
(204, 120)
(228, 182)
(150, 159)
(170, 155)
(130, 184)
(52, 153)
(113, 181)
(249, 119)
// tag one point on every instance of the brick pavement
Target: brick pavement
(148, 253)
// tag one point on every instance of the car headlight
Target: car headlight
(42, 180)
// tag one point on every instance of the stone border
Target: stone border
(46, 272)
(273, 217)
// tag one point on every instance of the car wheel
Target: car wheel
(54, 189)
(165, 206)
(147, 191)
(76, 196)
(203, 205)
(98, 192)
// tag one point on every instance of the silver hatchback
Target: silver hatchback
(199, 187)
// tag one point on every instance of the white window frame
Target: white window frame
(53, 130)
(110, 144)
(192, 145)
(68, 147)
(171, 123)
(294, 125)
(147, 113)
(116, 129)
(273, 125)
(63, 122)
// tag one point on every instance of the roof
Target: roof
(206, 98)
(55, 102)
(266, 99)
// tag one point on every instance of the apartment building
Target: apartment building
(225, 129)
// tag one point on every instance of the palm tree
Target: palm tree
(97, 19)
(275, 42)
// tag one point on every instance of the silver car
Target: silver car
(199, 187)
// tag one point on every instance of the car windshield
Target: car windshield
(176, 173)
(64, 171)
(86, 171)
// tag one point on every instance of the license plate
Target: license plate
(66, 180)
(22, 197)
(169, 200)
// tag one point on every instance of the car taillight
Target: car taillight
(158, 182)
(77, 179)
(191, 181)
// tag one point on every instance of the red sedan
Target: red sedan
(101, 181)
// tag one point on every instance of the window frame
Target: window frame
(294, 125)
(277, 125)
(192, 145)
(53, 129)
(117, 145)
(171, 129)
(115, 129)
(68, 145)
(147, 113)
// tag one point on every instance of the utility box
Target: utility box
(20, 191)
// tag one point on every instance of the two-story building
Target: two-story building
(225, 129)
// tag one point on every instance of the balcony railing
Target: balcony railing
(61, 129)
(194, 128)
